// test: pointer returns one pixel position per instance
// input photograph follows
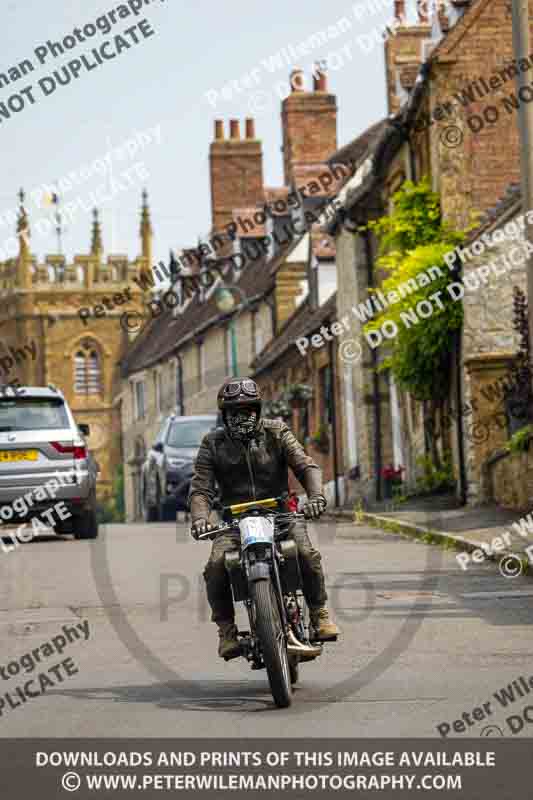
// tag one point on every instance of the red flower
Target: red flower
(390, 473)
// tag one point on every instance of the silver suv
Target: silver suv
(42, 446)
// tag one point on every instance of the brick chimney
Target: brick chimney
(309, 123)
(404, 49)
(236, 169)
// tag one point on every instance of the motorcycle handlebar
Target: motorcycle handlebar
(214, 532)
(221, 528)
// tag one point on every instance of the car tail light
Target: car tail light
(76, 450)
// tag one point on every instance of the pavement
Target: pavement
(442, 520)
(423, 642)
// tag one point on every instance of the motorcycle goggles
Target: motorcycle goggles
(235, 388)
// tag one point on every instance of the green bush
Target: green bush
(112, 509)
(435, 479)
(519, 442)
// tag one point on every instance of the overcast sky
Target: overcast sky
(159, 87)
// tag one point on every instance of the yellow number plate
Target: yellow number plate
(19, 455)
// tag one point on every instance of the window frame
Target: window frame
(88, 378)
(139, 384)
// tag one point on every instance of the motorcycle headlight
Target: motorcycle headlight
(178, 463)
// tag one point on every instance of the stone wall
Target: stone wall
(511, 480)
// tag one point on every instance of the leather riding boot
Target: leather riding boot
(228, 646)
(324, 628)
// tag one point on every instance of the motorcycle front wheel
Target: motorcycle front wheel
(272, 638)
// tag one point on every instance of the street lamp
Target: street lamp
(231, 300)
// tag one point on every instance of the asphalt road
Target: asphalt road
(422, 642)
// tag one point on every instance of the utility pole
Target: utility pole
(521, 47)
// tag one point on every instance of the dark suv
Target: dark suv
(168, 468)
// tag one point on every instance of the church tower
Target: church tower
(69, 315)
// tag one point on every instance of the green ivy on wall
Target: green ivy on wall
(412, 239)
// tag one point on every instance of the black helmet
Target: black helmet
(239, 392)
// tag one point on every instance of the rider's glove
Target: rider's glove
(314, 507)
(200, 526)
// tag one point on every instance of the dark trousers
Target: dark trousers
(218, 584)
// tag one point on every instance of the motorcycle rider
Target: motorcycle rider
(248, 459)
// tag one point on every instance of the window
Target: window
(230, 347)
(87, 369)
(179, 387)
(257, 335)
(32, 413)
(325, 394)
(350, 415)
(140, 408)
(200, 359)
(158, 393)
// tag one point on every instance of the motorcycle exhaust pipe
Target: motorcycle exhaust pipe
(297, 648)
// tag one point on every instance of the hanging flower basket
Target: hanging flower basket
(298, 394)
(392, 478)
(276, 408)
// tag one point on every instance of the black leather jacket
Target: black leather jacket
(250, 472)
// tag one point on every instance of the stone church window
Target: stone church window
(87, 369)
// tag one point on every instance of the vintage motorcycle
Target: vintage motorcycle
(265, 575)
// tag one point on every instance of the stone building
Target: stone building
(490, 349)
(40, 305)
(450, 99)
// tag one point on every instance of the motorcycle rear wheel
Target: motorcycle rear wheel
(272, 638)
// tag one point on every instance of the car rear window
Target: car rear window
(32, 413)
(190, 433)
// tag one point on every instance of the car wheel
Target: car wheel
(64, 527)
(86, 525)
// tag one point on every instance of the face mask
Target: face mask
(241, 423)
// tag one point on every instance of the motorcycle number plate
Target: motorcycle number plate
(256, 530)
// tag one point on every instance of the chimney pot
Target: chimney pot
(399, 10)
(234, 129)
(250, 128)
(219, 129)
(297, 80)
(320, 81)
(422, 9)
